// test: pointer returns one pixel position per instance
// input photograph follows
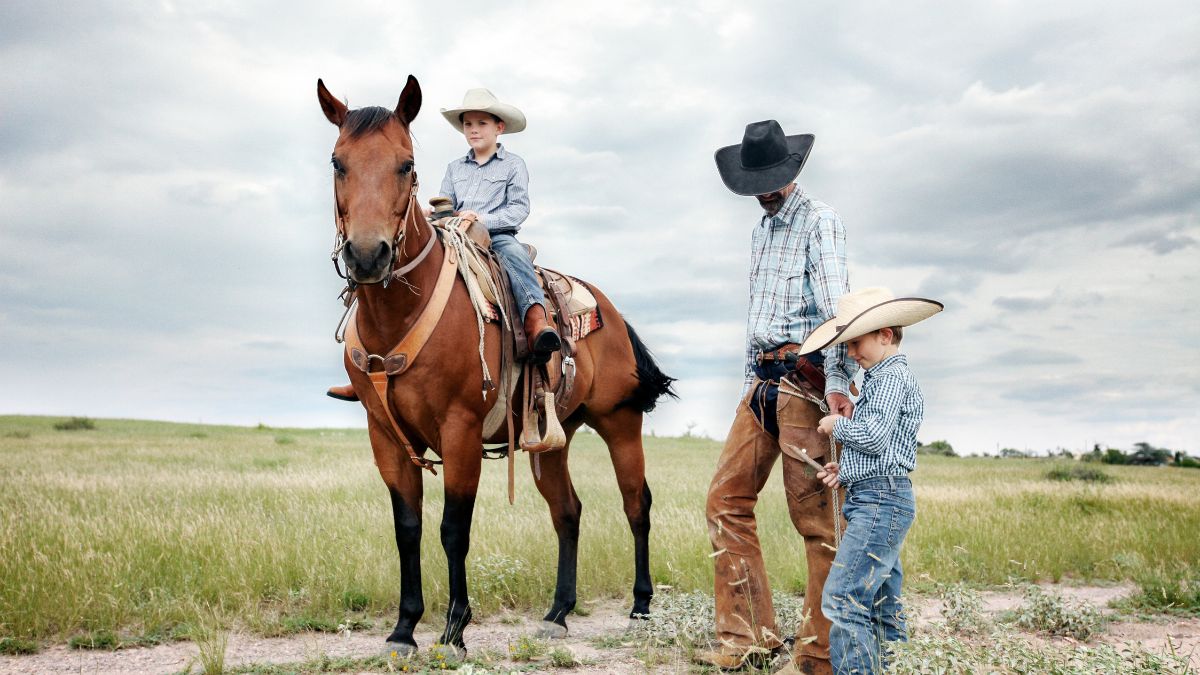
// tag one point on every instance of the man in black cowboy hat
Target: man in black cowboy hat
(797, 274)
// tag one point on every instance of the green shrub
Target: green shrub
(75, 424)
(937, 448)
(962, 610)
(1089, 474)
(101, 639)
(527, 648)
(498, 578)
(20, 433)
(355, 600)
(301, 624)
(14, 646)
(561, 657)
(1053, 614)
(1174, 590)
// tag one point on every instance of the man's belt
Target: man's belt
(777, 356)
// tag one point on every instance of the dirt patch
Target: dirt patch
(606, 619)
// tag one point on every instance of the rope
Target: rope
(455, 237)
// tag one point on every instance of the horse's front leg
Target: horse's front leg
(404, 483)
(462, 455)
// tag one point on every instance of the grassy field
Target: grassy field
(152, 529)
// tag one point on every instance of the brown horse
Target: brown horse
(437, 403)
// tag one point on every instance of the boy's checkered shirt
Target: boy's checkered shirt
(881, 438)
(797, 273)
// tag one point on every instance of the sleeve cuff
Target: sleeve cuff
(839, 426)
(836, 383)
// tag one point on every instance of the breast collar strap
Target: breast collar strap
(404, 354)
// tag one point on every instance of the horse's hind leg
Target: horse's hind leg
(622, 432)
(565, 509)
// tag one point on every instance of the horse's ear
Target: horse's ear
(335, 110)
(410, 101)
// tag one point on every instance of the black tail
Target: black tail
(653, 383)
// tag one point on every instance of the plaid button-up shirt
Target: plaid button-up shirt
(797, 273)
(498, 189)
(881, 438)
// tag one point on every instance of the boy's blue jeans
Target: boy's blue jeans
(862, 594)
(521, 276)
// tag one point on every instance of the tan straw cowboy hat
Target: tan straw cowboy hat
(483, 100)
(867, 310)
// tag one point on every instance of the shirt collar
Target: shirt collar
(501, 154)
(791, 206)
(893, 360)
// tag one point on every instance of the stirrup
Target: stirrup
(554, 439)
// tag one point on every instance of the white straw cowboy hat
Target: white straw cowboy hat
(483, 100)
(867, 310)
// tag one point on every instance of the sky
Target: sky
(166, 195)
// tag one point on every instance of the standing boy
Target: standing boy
(879, 442)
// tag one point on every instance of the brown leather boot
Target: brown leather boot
(343, 393)
(543, 339)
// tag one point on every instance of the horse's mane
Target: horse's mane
(365, 120)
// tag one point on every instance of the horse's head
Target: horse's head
(374, 181)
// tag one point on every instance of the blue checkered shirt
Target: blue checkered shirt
(797, 273)
(498, 189)
(881, 438)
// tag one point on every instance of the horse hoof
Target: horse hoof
(399, 650)
(446, 653)
(551, 631)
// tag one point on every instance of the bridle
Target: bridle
(340, 240)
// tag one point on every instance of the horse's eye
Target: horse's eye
(406, 168)
(337, 166)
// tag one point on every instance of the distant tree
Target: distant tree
(1115, 456)
(1096, 455)
(937, 448)
(1012, 453)
(1145, 454)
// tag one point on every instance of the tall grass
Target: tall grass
(132, 526)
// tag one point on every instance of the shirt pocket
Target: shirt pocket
(493, 183)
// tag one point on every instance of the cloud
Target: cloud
(167, 192)
(1023, 304)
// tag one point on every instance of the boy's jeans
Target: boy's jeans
(862, 593)
(521, 276)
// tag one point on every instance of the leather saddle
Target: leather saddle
(573, 308)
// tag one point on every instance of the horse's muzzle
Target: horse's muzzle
(368, 262)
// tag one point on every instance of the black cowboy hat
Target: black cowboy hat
(765, 161)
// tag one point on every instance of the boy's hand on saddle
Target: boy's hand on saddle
(470, 215)
(825, 426)
(830, 475)
(839, 404)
